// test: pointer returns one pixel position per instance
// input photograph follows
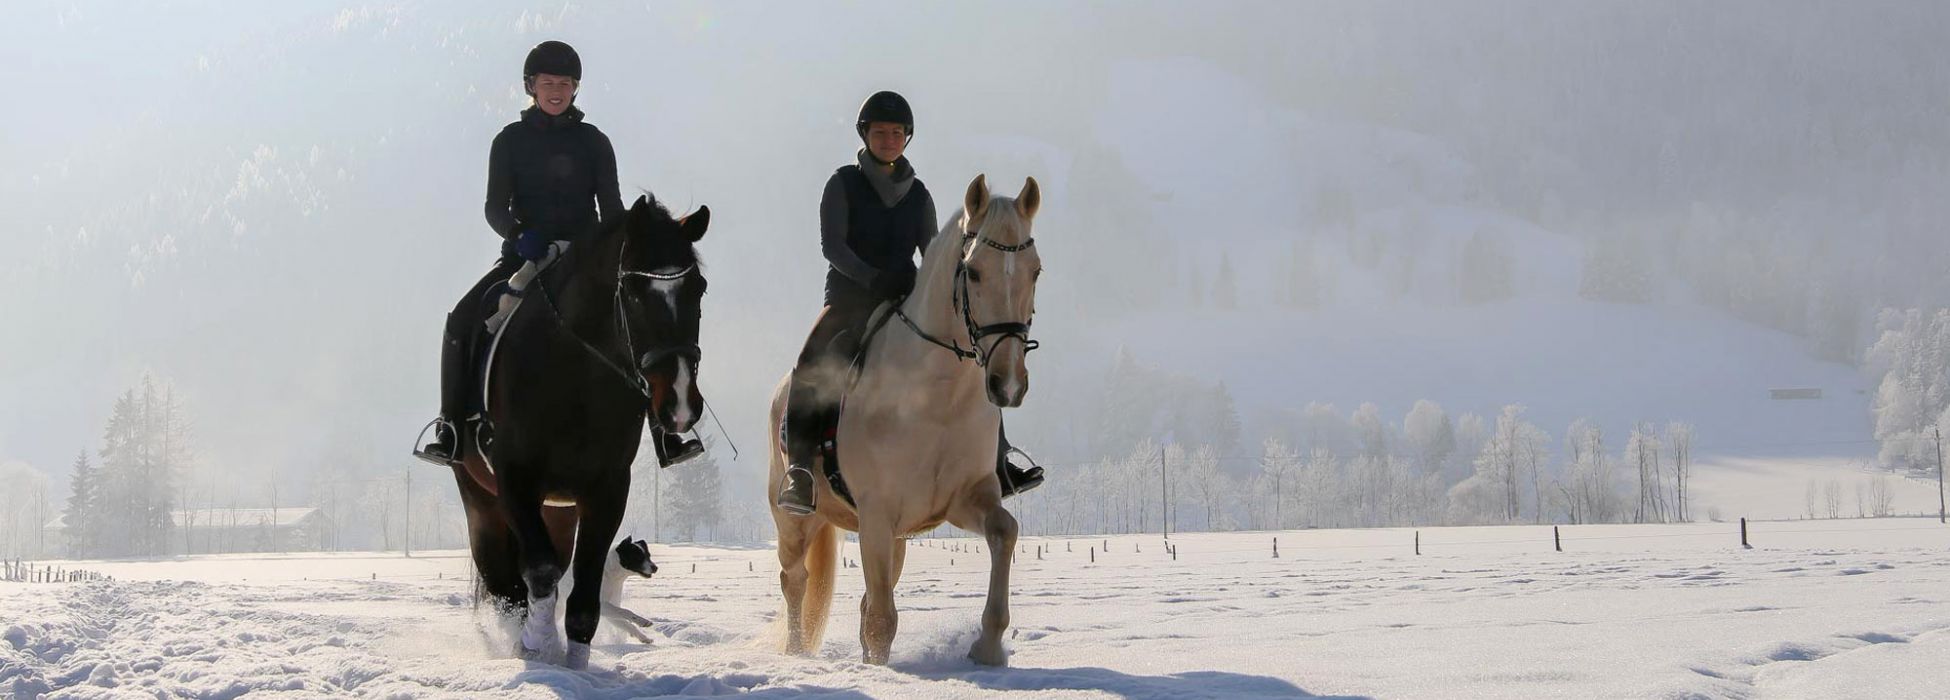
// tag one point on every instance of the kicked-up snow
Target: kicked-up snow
(1816, 609)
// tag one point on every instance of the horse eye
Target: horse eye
(973, 275)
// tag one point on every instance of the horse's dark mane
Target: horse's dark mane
(656, 207)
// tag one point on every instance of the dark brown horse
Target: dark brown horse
(605, 339)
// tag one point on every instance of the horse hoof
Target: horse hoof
(577, 658)
(988, 653)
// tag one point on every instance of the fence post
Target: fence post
(1557, 538)
(1093, 555)
(1743, 535)
(1276, 548)
(1418, 543)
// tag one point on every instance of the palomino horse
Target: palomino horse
(605, 338)
(918, 436)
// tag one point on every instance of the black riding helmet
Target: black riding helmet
(553, 58)
(885, 106)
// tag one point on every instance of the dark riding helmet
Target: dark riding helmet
(553, 58)
(885, 106)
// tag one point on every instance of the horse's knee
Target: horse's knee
(541, 578)
(1003, 525)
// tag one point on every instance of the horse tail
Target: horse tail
(822, 555)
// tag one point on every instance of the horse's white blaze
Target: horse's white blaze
(668, 290)
(684, 412)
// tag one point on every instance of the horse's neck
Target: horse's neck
(932, 308)
(589, 286)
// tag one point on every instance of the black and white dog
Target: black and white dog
(629, 558)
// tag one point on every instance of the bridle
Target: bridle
(649, 357)
(1000, 331)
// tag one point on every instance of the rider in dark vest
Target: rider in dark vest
(551, 177)
(873, 217)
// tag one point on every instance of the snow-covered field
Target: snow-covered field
(1841, 608)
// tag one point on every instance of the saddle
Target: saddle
(828, 425)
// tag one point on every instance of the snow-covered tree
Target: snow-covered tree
(1617, 268)
(145, 447)
(1207, 485)
(1370, 431)
(1279, 482)
(1679, 437)
(1642, 452)
(1324, 428)
(693, 499)
(1430, 436)
(23, 504)
(80, 515)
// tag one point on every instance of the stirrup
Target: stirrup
(1013, 485)
(687, 448)
(422, 449)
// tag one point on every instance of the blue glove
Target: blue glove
(531, 245)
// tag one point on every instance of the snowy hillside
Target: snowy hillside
(1814, 610)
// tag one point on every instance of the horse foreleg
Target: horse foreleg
(999, 527)
(601, 514)
(881, 562)
(793, 543)
(497, 561)
(540, 567)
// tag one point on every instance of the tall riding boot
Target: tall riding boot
(800, 433)
(673, 448)
(447, 445)
(1014, 479)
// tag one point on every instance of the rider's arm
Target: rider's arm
(501, 189)
(926, 235)
(609, 204)
(832, 235)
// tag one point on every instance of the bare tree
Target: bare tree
(1881, 499)
(1832, 497)
(1680, 437)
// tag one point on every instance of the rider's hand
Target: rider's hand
(894, 283)
(531, 245)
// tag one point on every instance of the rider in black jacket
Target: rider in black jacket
(873, 217)
(551, 177)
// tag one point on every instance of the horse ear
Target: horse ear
(694, 225)
(1029, 200)
(977, 198)
(638, 211)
